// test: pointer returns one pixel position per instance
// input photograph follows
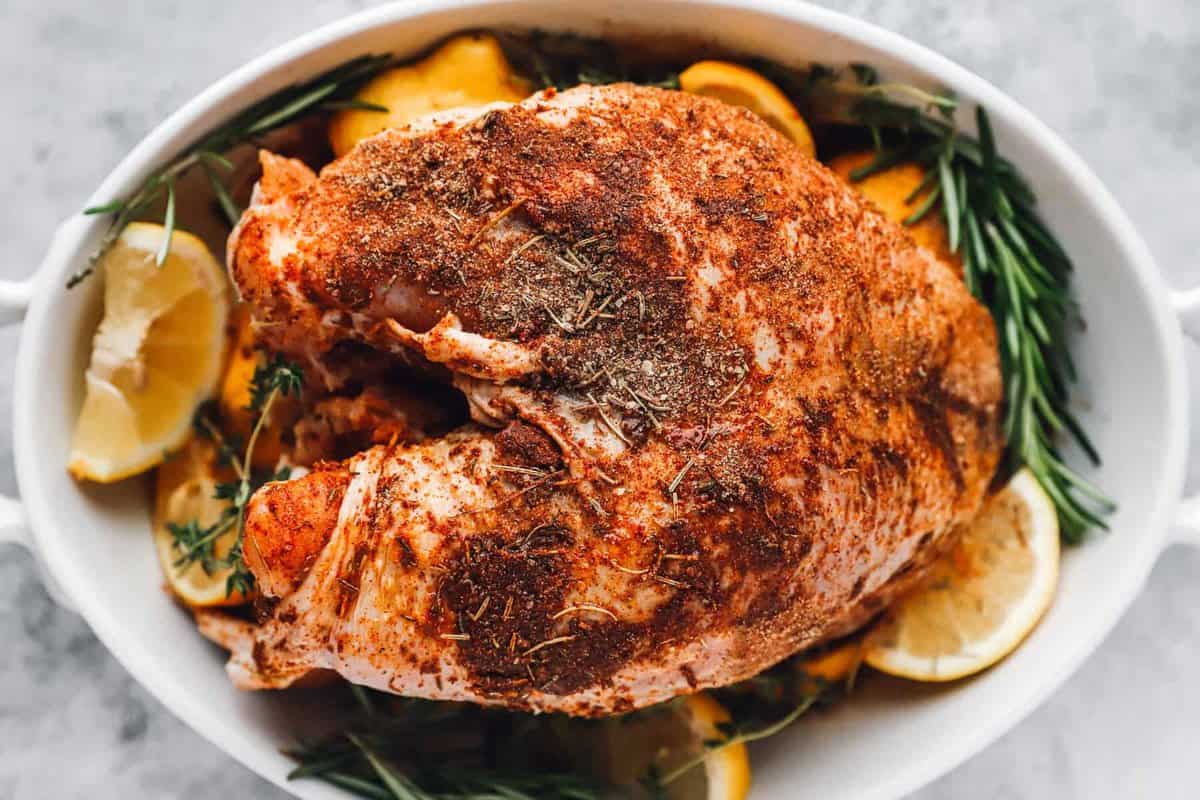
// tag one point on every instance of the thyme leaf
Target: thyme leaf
(196, 543)
(277, 375)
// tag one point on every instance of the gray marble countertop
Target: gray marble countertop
(83, 82)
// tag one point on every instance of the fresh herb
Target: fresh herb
(329, 91)
(197, 543)
(277, 376)
(424, 750)
(1011, 260)
(563, 60)
(386, 747)
(733, 733)
(759, 707)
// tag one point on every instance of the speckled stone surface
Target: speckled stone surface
(83, 81)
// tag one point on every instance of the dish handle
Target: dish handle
(1185, 527)
(15, 296)
(14, 528)
(14, 299)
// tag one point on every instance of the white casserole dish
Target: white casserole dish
(93, 541)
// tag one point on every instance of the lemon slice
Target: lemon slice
(672, 738)
(184, 492)
(742, 86)
(156, 355)
(983, 599)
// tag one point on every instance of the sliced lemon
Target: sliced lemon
(184, 492)
(742, 86)
(156, 355)
(468, 70)
(680, 740)
(983, 599)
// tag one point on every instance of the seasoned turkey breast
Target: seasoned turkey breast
(723, 409)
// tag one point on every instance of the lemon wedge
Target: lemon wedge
(727, 767)
(983, 599)
(467, 70)
(184, 492)
(742, 86)
(677, 740)
(155, 357)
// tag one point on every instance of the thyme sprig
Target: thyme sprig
(196, 543)
(1011, 261)
(329, 91)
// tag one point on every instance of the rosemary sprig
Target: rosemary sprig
(362, 759)
(329, 91)
(1012, 263)
(196, 543)
(387, 746)
(563, 60)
